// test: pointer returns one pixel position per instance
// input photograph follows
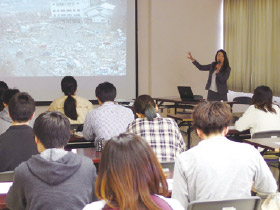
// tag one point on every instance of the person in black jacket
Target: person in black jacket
(219, 72)
(17, 143)
(55, 178)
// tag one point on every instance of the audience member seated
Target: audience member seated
(162, 134)
(262, 115)
(130, 177)
(5, 119)
(17, 143)
(3, 88)
(109, 119)
(73, 106)
(55, 178)
(218, 168)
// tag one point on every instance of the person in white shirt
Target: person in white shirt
(218, 168)
(130, 177)
(262, 115)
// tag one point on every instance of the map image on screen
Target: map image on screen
(63, 37)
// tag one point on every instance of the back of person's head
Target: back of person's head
(262, 99)
(226, 62)
(9, 94)
(52, 129)
(3, 85)
(69, 87)
(145, 105)
(212, 117)
(21, 107)
(3, 88)
(129, 173)
(106, 91)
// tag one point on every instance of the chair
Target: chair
(271, 157)
(7, 176)
(251, 203)
(266, 134)
(243, 100)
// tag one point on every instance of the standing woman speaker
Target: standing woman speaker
(219, 72)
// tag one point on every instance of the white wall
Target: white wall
(167, 30)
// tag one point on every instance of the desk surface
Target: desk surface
(77, 141)
(266, 143)
(182, 117)
(175, 99)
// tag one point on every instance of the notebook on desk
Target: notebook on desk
(186, 94)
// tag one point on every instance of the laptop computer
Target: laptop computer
(186, 94)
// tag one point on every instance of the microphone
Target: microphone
(218, 68)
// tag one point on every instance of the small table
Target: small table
(76, 141)
(176, 102)
(266, 143)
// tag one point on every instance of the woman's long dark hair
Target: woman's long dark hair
(145, 105)
(129, 173)
(68, 87)
(226, 62)
(262, 99)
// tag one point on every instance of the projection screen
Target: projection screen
(41, 41)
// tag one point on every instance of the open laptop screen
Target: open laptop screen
(185, 93)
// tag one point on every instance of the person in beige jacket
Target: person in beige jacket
(73, 106)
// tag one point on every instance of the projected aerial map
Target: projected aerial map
(62, 37)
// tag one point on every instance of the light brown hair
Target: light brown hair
(129, 173)
(212, 117)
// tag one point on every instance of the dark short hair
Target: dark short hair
(69, 86)
(212, 117)
(52, 129)
(21, 107)
(9, 94)
(145, 105)
(129, 173)
(106, 91)
(262, 99)
(3, 88)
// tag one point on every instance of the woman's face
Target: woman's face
(220, 57)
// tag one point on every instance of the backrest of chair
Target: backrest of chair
(7, 176)
(243, 100)
(267, 134)
(251, 203)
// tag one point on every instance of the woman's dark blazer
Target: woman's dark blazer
(221, 77)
